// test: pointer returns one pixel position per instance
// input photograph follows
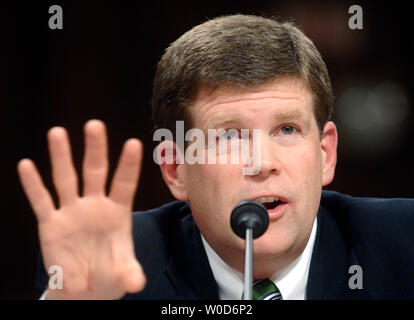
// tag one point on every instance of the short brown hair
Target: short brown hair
(237, 51)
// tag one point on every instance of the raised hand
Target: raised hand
(88, 236)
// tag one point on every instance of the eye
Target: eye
(288, 130)
(229, 134)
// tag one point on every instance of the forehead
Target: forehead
(284, 98)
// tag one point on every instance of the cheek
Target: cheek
(211, 197)
(312, 184)
(211, 185)
(305, 168)
(214, 192)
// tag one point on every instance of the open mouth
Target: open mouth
(270, 203)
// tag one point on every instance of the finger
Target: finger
(133, 277)
(126, 176)
(39, 197)
(63, 171)
(95, 163)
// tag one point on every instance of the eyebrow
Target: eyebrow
(217, 122)
(290, 115)
(281, 116)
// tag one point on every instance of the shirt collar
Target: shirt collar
(291, 281)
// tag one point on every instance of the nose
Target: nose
(269, 161)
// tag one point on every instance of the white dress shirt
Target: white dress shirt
(291, 281)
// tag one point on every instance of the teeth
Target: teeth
(267, 199)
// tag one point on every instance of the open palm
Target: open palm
(88, 236)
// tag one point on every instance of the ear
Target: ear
(172, 169)
(329, 143)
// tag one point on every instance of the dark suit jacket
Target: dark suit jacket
(375, 234)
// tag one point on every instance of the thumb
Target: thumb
(134, 279)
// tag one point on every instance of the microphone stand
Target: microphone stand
(248, 265)
(249, 220)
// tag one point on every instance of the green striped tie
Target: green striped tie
(266, 290)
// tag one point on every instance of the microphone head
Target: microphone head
(249, 214)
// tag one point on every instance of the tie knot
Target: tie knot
(266, 290)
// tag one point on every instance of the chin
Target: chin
(274, 248)
(271, 251)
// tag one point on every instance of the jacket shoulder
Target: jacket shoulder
(380, 233)
(367, 210)
(154, 221)
(152, 231)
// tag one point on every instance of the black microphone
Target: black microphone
(249, 214)
(249, 220)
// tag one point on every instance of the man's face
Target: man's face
(294, 165)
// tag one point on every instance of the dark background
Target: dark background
(102, 64)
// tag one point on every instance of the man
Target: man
(235, 72)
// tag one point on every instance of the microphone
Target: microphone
(249, 220)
